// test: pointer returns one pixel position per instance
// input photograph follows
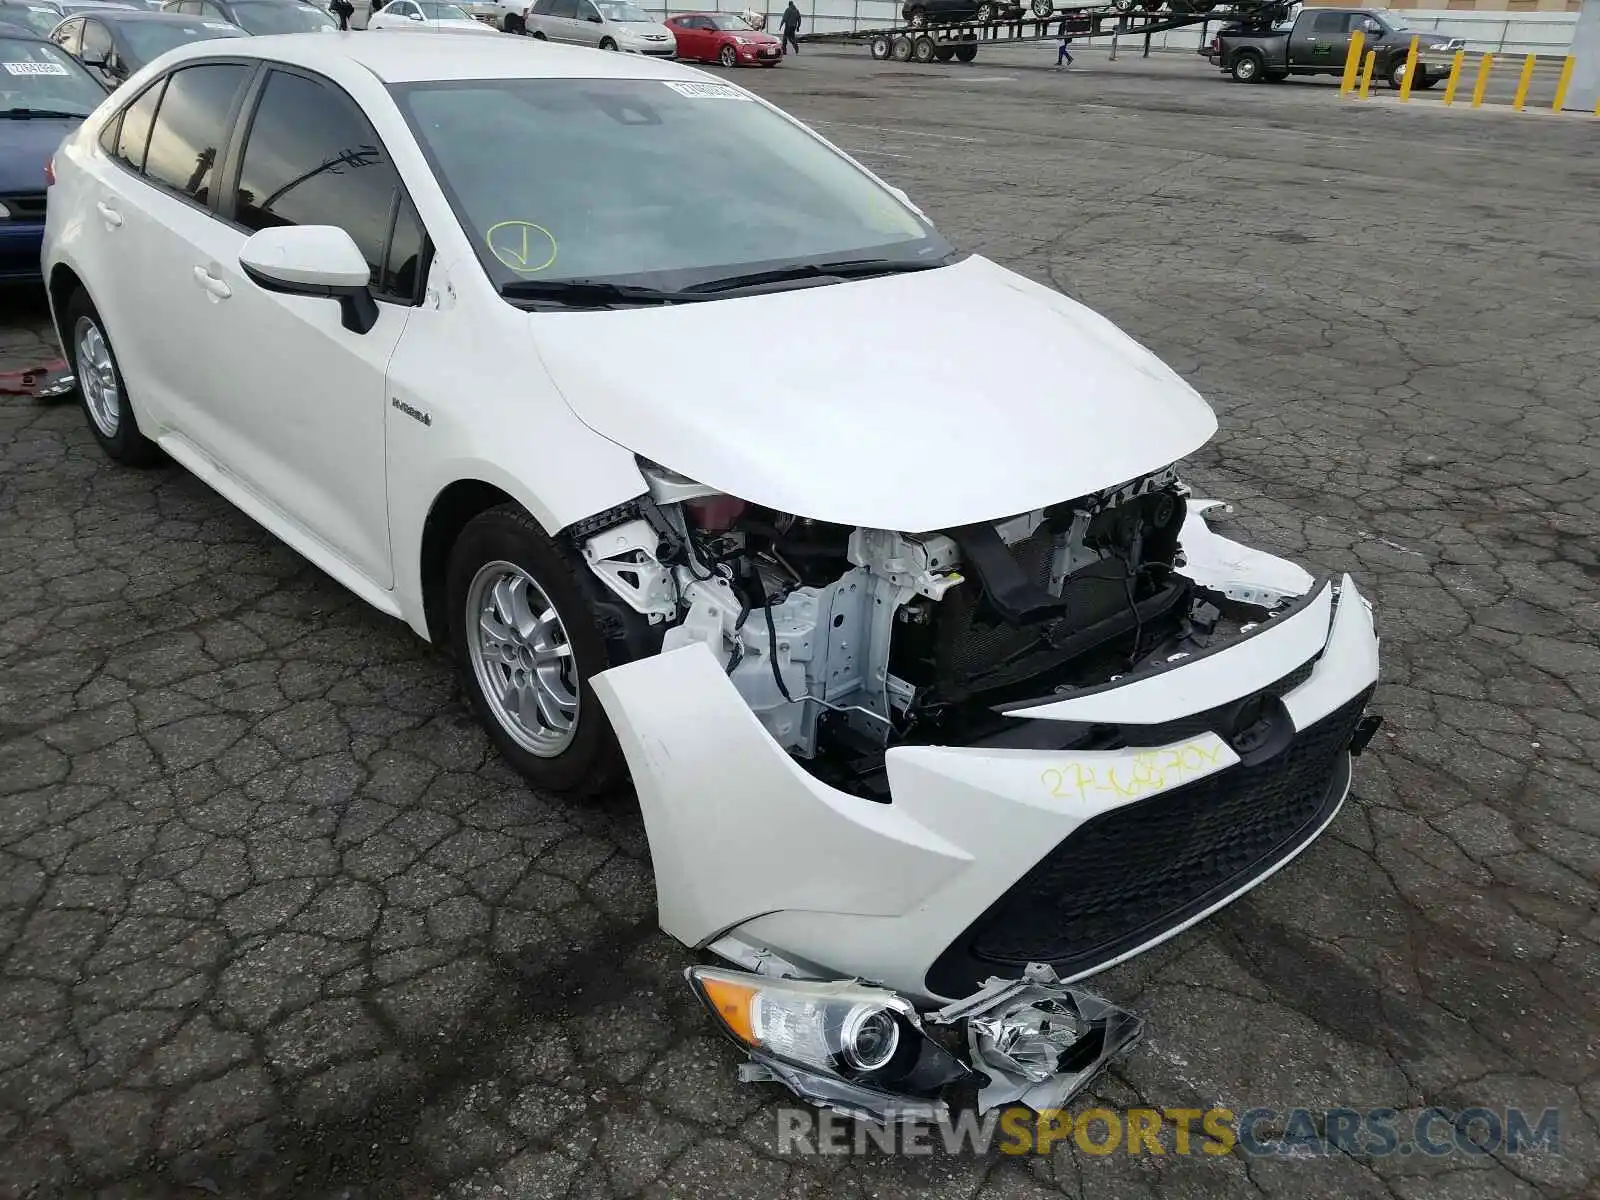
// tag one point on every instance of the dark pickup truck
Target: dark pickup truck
(1317, 43)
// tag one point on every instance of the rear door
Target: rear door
(562, 23)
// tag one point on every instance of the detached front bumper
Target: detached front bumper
(989, 859)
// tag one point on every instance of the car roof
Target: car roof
(403, 56)
(115, 15)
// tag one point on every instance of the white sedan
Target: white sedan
(426, 16)
(616, 380)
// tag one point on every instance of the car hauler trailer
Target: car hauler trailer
(927, 40)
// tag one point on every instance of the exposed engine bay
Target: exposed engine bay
(847, 641)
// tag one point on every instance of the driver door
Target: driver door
(99, 55)
(587, 27)
(302, 399)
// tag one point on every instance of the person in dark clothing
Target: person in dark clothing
(344, 10)
(791, 26)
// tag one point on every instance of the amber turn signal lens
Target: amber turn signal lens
(734, 1003)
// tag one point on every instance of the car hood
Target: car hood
(911, 402)
(639, 30)
(26, 145)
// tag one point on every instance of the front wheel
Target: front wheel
(527, 639)
(728, 56)
(1043, 8)
(1247, 67)
(100, 386)
(986, 12)
(539, 36)
(607, 44)
(1397, 73)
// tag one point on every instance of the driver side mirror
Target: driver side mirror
(414, 16)
(1373, 27)
(313, 260)
(594, 19)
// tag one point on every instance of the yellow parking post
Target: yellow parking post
(1485, 65)
(1411, 69)
(1561, 84)
(1352, 63)
(1455, 76)
(1523, 81)
(1366, 72)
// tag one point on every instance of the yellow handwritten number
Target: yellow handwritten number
(1147, 773)
(520, 245)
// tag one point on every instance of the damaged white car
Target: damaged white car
(936, 689)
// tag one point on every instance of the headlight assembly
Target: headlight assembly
(842, 1043)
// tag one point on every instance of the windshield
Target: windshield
(624, 13)
(442, 12)
(39, 77)
(151, 39)
(1395, 24)
(262, 16)
(732, 24)
(41, 20)
(657, 183)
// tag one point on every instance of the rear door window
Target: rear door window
(191, 128)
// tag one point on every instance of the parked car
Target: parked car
(114, 43)
(37, 18)
(259, 16)
(606, 24)
(44, 94)
(506, 15)
(955, 12)
(423, 16)
(723, 38)
(944, 680)
(1317, 42)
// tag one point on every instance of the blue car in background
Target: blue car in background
(44, 95)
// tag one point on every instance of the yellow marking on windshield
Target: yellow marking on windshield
(521, 246)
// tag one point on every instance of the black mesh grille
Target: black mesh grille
(24, 206)
(1128, 875)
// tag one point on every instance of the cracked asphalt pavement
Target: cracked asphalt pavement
(274, 921)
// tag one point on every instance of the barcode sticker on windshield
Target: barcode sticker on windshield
(705, 91)
(28, 68)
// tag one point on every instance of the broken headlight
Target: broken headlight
(843, 1044)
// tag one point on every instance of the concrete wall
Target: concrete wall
(1584, 94)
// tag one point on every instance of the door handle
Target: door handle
(213, 286)
(111, 216)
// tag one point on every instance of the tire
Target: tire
(902, 49)
(514, 24)
(1042, 9)
(1425, 81)
(539, 36)
(1124, 6)
(1396, 74)
(1247, 67)
(966, 52)
(607, 44)
(100, 388)
(916, 18)
(728, 56)
(986, 12)
(923, 49)
(504, 565)
(944, 53)
(880, 46)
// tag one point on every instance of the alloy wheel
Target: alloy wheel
(522, 657)
(97, 377)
